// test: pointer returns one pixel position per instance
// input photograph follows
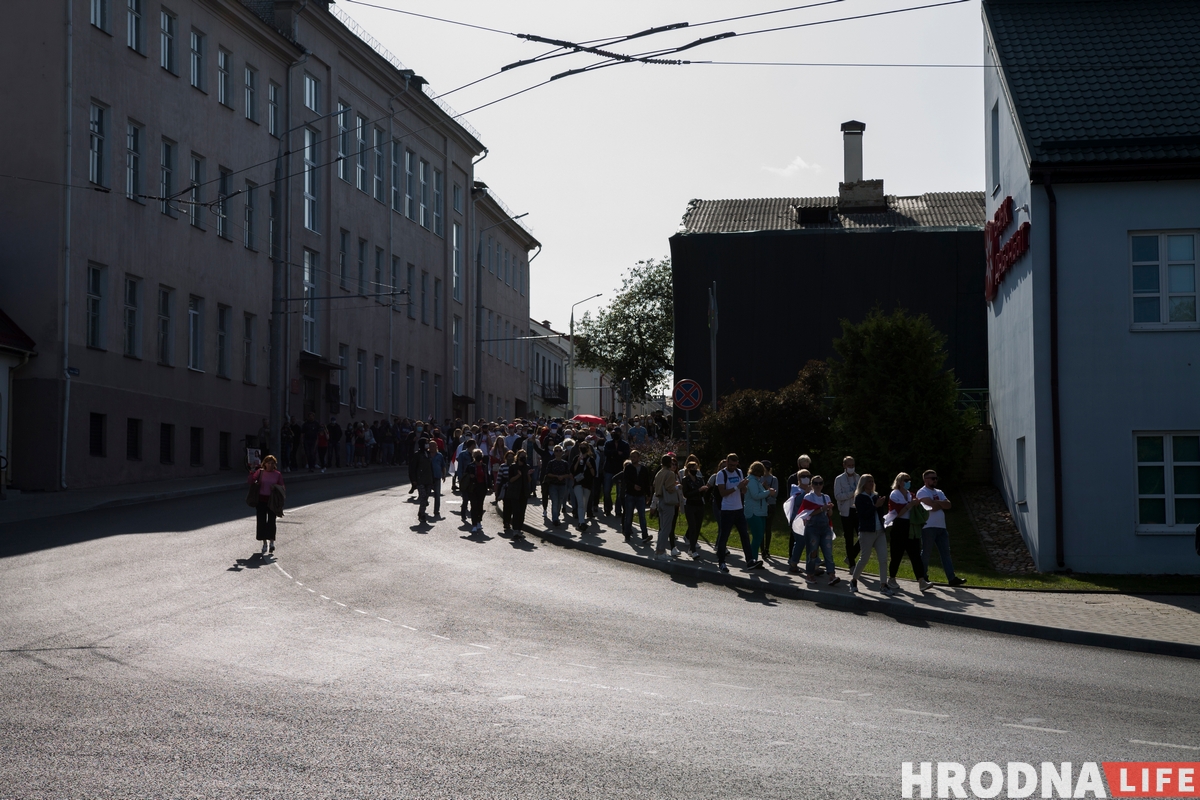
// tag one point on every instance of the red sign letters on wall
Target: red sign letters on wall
(1000, 259)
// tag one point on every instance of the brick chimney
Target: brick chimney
(854, 193)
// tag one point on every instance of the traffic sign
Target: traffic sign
(688, 395)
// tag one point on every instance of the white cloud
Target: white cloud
(798, 165)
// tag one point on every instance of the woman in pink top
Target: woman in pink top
(265, 478)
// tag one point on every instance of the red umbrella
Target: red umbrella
(588, 419)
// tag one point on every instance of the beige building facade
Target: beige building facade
(152, 316)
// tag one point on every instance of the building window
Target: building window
(424, 194)
(132, 320)
(224, 58)
(410, 184)
(394, 389)
(196, 448)
(343, 140)
(410, 392)
(437, 396)
(378, 151)
(309, 304)
(251, 80)
(343, 257)
(310, 179)
(456, 274)
(197, 72)
(166, 177)
(362, 267)
(134, 137)
(490, 265)
(411, 285)
(166, 443)
(343, 376)
(196, 192)
(458, 198)
(1021, 471)
(223, 203)
(248, 222)
(360, 161)
(248, 352)
(99, 14)
(456, 347)
(133, 27)
(377, 288)
(273, 109)
(378, 383)
(995, 147)
(195, 333)
(424, 298)
(491, 336)
(424, 394)
(165, 332)
(1168, 480)
(166, 42)
(439, 189)
(507, 344)
(98, 435)
(223, 316)
(224, 445)
(361, 382)
(1164, 280)
(272, 225)
(507, 268)
(396, 177)
(97, 130)
(133, 439)
(312, 88)
(95, 306)
(437, 303)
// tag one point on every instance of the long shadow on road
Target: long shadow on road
(178, 515)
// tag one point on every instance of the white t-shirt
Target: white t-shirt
(900, 498)
(730, 479)
(937, 519)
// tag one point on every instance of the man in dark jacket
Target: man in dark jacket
(616, 453)
(309, 431)
(335, 442)
(423, 477)
(638, 485)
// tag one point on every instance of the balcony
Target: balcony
(553, 393)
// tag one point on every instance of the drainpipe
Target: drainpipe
(1055, 425)
(391, 143)
(66, 312)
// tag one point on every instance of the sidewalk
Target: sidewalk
(1162, 624)
(22, 506)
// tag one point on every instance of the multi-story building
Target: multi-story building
(203, 141)
(549, 354)
(1093, 176)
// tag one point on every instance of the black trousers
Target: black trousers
(265, 530)
(477, 494)
(772, 510)
(901, 544)
(514, 510)
(695, 518)
(850, 533)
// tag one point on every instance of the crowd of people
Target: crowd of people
(579, 471)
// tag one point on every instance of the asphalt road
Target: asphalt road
(379, 658)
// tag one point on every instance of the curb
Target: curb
(214, 489)
(892, 608)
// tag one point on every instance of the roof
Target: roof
(1101, 82)
(12, 337)
(932, 210)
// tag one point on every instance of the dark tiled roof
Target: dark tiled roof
(12, 337)
(932, 210)
(1100, 82)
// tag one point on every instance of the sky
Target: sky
(606, 162)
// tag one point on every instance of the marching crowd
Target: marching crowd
(577, 465)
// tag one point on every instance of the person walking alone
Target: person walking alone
(423, 477)
(871, 537)
(475, 481)
(900, 503)
(266, 477)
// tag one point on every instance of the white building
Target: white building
(1093, 172)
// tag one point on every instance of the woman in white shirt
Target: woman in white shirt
(900, 503)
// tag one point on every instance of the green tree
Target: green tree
(634, 336)
(895, 403)
(776, 425)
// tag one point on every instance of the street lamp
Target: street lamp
(571, 374)
(480, 186)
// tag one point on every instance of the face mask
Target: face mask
(805, 481)
(908, 484)
(849, 470)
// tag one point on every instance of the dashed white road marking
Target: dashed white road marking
(522, 655)
(410, 627)
(733, 686)
(583, 666)
(289, 577)
(343, 605)
(323, 597)
(822, 699)
(436, 636)
(920, 713)
(651, 675)
(484, 646)
(298, 583)
(314, 591)
(1033, 728)
(471, 653)
(381, 619)
(1164, 744)
(360, 611)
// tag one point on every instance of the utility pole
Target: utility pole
(571, 373)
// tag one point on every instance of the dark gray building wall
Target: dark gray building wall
(782, 296)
